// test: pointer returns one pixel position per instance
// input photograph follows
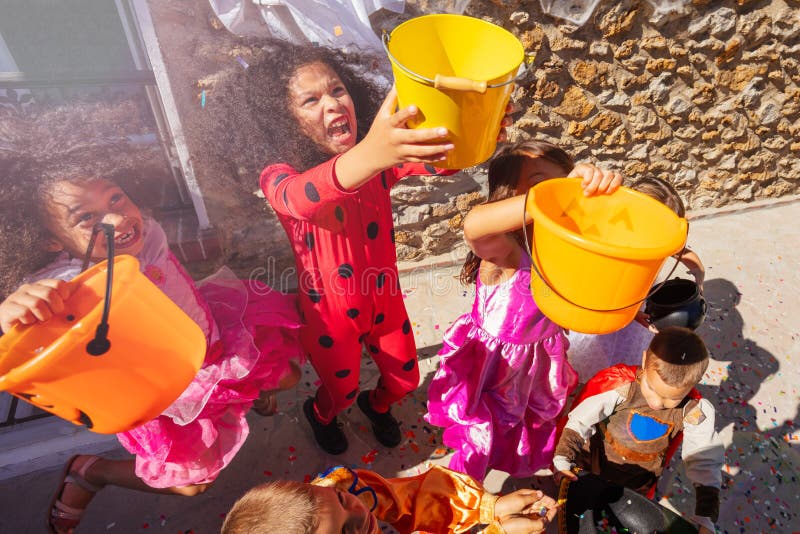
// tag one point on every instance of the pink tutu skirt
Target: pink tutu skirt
(201, 432)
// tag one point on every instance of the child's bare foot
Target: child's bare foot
(72, 496)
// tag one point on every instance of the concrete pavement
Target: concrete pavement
(752, 330)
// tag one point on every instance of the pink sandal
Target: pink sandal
(62, 517)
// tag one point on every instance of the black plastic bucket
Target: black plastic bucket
(678, 302)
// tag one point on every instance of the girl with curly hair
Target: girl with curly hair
(251, 336)
(336, 154)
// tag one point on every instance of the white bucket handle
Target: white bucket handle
(453, 82)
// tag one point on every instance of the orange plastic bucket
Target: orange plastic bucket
(459, 71)
(595, 258)
(155, 352)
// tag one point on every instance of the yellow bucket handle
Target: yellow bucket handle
(554, 290)
(455, 83)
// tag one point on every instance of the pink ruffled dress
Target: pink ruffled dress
(502, 381)
(252, 335)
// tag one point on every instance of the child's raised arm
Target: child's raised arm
(388, 143)
(691, 260)
(34, 302)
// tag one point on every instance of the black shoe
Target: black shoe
(330, 437)
(385, 427)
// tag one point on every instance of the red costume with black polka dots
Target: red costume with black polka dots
(350, 295)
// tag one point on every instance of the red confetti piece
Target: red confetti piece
(369, 457)
(307, 479)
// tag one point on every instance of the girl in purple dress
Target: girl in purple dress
(503, 375)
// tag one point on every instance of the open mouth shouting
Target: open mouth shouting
(339, 129)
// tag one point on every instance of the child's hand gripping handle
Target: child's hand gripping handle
(33, 303)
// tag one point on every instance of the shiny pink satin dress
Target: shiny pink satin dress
(502, 381)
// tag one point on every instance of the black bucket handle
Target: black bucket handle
(100, 344)
(453, 82)
(554, 290)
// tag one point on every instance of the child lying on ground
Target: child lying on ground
(352, 501)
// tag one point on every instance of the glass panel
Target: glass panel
(75, 37)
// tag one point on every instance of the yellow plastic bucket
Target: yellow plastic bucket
(155, 352)
(459, 72)
(595, 258)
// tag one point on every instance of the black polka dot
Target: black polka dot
(339, 213)
(379, 318)
(343, 373)
(392, 234)
(406, 326)
(311, 192)
(351, 395)
(281, 177)
(372, 230)
(400, 165)
(326, 341)
(380, 279)
(409, 365)
(310, 241)
(384, 183)
(345, 270)
(430, 168)
(361, 338)
(314, 295)
(352, 313)
(373, 349)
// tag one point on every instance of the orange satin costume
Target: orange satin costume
(438, 500)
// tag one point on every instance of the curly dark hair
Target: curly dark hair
(72, 142)
(247, 121)
(504, 171)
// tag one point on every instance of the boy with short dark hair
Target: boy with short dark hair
(624, 424)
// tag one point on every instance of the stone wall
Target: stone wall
(707, 98)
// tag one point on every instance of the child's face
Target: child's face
(535, 170)
(342, 512)
(323, 108)
(75, 207)
(658, 394)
